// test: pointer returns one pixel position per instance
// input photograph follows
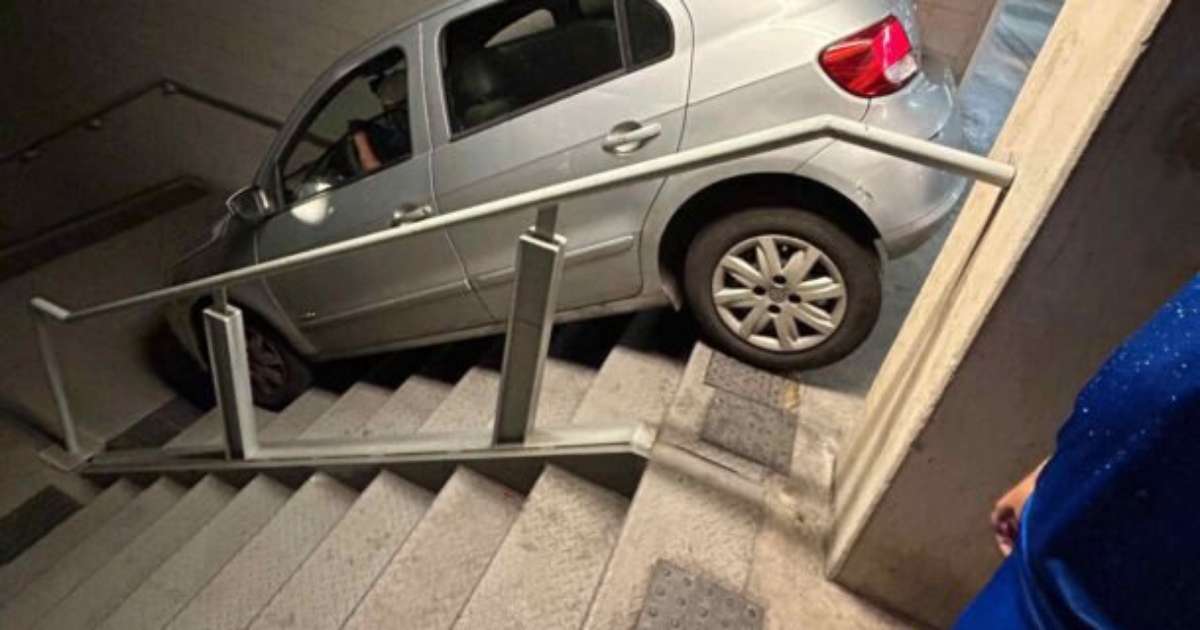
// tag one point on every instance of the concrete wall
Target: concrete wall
(66, 59)
(951, 28)
(1031, 293)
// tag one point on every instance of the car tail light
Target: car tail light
(874, 62)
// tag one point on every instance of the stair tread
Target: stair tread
(407, 409)
(636, 383)
(58, 542)
(248, 581)
(364, 398)
(209, 429)
(325, 590)
(472, 403)
(99, 595)
(173, 585)
(40, 596)
(433, 574)
(717, 541)
(299, 415)
(548, 566)
(415, 401)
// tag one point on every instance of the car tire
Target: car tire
(811, 305)
(278, 374)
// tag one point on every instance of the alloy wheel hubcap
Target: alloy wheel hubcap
(779, 293)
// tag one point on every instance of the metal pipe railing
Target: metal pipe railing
(917, 150)
(924, 152)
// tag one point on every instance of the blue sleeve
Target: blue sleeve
(1111, 535)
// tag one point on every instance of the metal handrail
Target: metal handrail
(166, 86)
(826, 126)
(520, 387)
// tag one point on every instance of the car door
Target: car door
(358, 162)
(527, 93)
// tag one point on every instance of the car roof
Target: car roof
(421, 15)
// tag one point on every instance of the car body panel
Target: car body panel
(905, 200)
(559, 141)
(409, 288)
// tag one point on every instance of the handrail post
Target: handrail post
(75, 453)
(226, 333)
(530, 320)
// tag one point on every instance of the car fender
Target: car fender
(678, 189)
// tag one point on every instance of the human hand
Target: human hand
(1006, 514)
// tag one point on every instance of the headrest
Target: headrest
(476, 80)
(393, 88)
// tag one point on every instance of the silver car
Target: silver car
(777, 256)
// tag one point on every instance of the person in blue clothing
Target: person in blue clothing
(1106, 533)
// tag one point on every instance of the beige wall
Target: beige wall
(1098, 229)
(951, 28)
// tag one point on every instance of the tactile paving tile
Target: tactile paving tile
(729, 374)
(753, 430)
(679, 599)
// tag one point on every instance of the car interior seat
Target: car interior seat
(501, 79)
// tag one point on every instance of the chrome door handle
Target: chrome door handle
(410, 214)
(628, 137)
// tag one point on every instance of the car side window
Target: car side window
(360, 126)
(650, 35)
(511, 56)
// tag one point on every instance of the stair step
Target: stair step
(209, 429)
(348, 415)
(40, 596)
(409, 408)
(548, 566)
(58, 542)
(174, 584)
(715, 536)
(422, 393)
(472, 403)
(103, 592)
(299, 415)
(325, 590)
(435, 571)
(639, 378)
(244, 585)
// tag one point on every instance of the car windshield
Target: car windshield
(360, 126)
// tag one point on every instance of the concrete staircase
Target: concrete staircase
(380, 551)
(326, 554)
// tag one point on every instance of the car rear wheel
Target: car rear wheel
(782, 288)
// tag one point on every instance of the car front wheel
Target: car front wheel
(277, 374)
(782, 288)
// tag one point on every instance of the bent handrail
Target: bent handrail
(892, 143)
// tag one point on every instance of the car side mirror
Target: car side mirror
(249, 204)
